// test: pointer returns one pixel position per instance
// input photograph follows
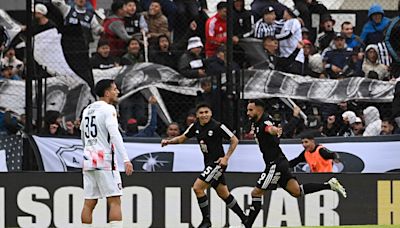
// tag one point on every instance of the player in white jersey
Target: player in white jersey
(101, 139)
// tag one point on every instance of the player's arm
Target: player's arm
(234, 141)
(176, 140)
(116, 139)
(295, 161)
(272, 130)
(326, 154)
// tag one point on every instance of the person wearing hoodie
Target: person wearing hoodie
(371, 66)
(372, 121)
(392, 42)
(162, 53)
(102, 58)
(373, 31)
(114, 29)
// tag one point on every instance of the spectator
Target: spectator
(216, 65)
(41, 22)
(216, 30)
(11, 60)
(156, 21)
(191, 64)
(357, 127)
(312, 60)
(349, 117)
(295, 125)
(52, 123)
(114, 29)
(392, 42)
(135, 23)
(149, 130)
(102, 58)
(306, 8)
(373, 31)
(289, 39)
(372, 120)
(214, 97)
(330, 126)
(134, 54)
(258, 7)
(352, 40)
(267, 25)
(8, 123)
(305, 34)
(79, 14)
(190, 118)
(371, 67)
(7, 73)
(388, 127)
(172, 130)
(335, 59)
(327, 33)
(243, 22)
(162, 53)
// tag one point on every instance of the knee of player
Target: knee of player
(296, 193)
(256, 192)
(197, 190)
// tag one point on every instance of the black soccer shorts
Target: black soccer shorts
(277, 172)
(213, 174)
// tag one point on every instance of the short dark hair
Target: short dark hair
(307, 136)
(203, 105)
(128, 1)
(103, 85)
(115, 6)
(156, 1)
(222, 5)
(345, 23)
(389, 120)
(258, 102)
(269, 38)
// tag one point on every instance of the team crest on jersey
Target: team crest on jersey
(87, 18)
(268, 123)
(197, 131)
(210, 133)
(74, 14)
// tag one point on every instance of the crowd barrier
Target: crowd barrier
(37, 199)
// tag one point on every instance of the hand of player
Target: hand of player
(222, 161)
(279, 131)
(128, 168)
(164, 142)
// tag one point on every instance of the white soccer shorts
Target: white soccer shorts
(101, 183)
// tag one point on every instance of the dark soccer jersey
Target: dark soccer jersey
(209, 137)
(269, 144)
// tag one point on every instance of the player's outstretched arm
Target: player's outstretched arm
(176, 140)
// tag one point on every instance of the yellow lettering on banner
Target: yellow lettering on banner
(388, 202)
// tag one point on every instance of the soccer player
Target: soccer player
(317, 156)
(277, 166)
(209, 134)
(101, 138)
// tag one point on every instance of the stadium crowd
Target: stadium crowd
(181, 35)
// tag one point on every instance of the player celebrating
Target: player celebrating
(277, 166)
(209, 134)
(100, 136)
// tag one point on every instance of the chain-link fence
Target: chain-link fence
(172, 50)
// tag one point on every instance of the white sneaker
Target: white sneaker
(336, 186)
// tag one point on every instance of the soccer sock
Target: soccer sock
(86, 225)
(313, 187)
(116, 224)
(254, 210)
(234, 206)
(203, 204)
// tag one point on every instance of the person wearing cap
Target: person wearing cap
(7, 73)
(327, 32)
(216, 30)
(338, 58)
(80, 14)
(11, 60)
(352, 40)
(114, 29)
(41, 22)
(371, 66)
(258, 7)
(312, 60)
(348, 118)
(191, 64)
(318, 157)
(267, 25)
(102, 58)
(289, 39)
(358, 127)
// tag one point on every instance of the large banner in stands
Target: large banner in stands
(60, 155)
(158, 200)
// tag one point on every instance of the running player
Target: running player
(209, 134)
(277, 166)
